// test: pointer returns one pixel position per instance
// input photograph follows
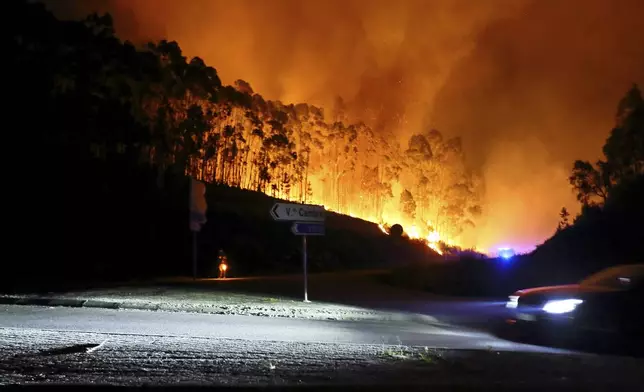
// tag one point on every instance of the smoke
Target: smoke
(525, 192)
(530, 85)
(537, 92)
(387, 59)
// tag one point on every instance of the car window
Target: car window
(620, 277)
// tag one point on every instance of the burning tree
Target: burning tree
(189, 122)
(408, 205)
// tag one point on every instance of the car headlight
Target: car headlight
(513, 302)
(561, 306)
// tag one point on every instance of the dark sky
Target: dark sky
(530, 85)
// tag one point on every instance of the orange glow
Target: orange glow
(502, 74)
(432, 239)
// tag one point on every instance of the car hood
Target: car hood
(563, 290)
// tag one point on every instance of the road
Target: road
(363, 289)
(129, 347)
(123, 322)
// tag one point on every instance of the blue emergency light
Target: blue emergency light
(506, 253)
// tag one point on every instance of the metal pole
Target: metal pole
(306, 294)
(194, 255)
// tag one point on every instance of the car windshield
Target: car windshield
(616, 277)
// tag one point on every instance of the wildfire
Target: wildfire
(433, 239)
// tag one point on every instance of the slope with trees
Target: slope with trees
(114, 130)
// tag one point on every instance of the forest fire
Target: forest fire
(375, 164)
(431, 238)
(401, 68)
(297, 153)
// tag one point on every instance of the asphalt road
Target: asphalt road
(408, 333)
(128, 347)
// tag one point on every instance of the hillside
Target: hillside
(600, 237)
(239, 222)
(112, 223)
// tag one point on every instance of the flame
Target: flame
(258, 51)
(432, 240)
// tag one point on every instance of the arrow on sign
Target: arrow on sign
(297, 212)
(306, 228)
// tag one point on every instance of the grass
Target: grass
(401, 352)
(427, 356)
(397, 351)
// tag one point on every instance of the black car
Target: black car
(609, 304)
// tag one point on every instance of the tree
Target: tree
(624, 148)
(408, 205)
(173, 115)
(623, 153)
(590, 184)
(564, 219)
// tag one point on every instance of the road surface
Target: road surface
(127, 347)
(207, 326)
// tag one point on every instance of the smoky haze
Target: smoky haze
(537, 92)
(530, 85)
(387, 57)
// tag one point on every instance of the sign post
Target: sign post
(306, 280)
(307, 220)
(198, 207)
(304, 229)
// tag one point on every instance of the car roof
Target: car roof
(627, 269)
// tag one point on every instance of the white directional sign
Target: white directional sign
(307, 220)
(297, 212)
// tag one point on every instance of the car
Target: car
(608, 304)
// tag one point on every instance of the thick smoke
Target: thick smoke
(537, 92)
(387, 57)
(531, 85)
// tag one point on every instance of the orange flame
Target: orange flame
(432, 240)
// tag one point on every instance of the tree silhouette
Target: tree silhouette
(564, 219)
(623, 154)
(157, 108)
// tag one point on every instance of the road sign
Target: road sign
(307, 220)
(297, 212)
(305, 228)
(198, 208)
(198, 205)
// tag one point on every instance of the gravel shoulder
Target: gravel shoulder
(46, 357)
(333, 298)
(196, 300)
